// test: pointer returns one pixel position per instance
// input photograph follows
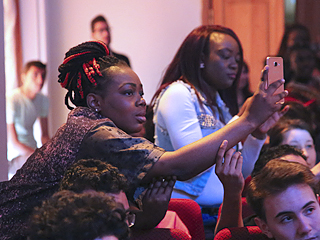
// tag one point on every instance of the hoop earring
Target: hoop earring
(201, 65)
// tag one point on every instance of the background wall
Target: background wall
(148, 32)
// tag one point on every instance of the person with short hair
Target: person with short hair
(284, 197)
(79, 216)
(100, 30)
(25, 105)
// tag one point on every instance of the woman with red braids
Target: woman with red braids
(110, 110)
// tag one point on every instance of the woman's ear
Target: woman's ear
(93, 102)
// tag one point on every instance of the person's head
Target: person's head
(100, 29)
(302, 63)
(105, 84)
(79, 216)
(284, 197)
(33, 76)
(215, 62)
(296, 133)
(284, 152)
(92, 174)
(294, 35)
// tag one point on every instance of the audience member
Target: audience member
(243, 87)
(79, 216)
(294, 35)
(100, 30)
(188, 106)
(296, 133)
(285, 152)
(302, 65)
(284, 197)
(109, 108)
(25, 105)
(96, 175)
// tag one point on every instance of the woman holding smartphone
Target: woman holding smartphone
(193, 101)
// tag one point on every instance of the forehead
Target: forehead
(293, 199)
(121, 198)
(296, 134)
(100, 25)
(123, 75)
(221, 40)
(33, 69)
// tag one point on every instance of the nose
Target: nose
(305, 152)
(141, 102)
(304, 226)
(233, 64)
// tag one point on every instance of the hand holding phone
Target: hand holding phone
(275, 73)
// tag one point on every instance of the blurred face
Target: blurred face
(297, 38)
(244, 79)
(101, 32)
(293, 214)
(301, 139)
(33, 80)
(302, 63)
(222, 62)
(123, 101)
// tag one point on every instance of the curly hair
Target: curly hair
(85, 70)
(93, 174)
(71, 216)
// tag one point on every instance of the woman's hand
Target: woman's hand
(229, 170)
(263, 104)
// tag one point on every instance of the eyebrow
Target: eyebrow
(131, 84)
(288, 212)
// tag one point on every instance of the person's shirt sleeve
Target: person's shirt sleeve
(250, 152)
(133, 156)
(177, 112)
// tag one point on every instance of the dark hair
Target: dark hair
(98, 18)
(289, 29)
(274, 178)
(93, 174)
(284, 125)
(85, 70)
(186, 62)
(37, 64)
(273, 153)
(71, 216)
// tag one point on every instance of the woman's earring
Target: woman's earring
(97, 110)
(201, 65)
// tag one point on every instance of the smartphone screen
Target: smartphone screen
(275, 73)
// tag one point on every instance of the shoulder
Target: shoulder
(178, 88)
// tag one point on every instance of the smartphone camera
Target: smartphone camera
(276, 64)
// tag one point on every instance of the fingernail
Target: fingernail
(282, 80)
(225, 142)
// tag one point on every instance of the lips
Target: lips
(232, 76)
(141, 117)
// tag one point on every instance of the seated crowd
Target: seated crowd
(97, 178)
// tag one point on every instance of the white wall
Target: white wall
(149, 32)
(3, 131)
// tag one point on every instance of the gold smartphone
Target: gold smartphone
(275, 73)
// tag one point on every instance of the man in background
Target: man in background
(100, 30)
(25, 105)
